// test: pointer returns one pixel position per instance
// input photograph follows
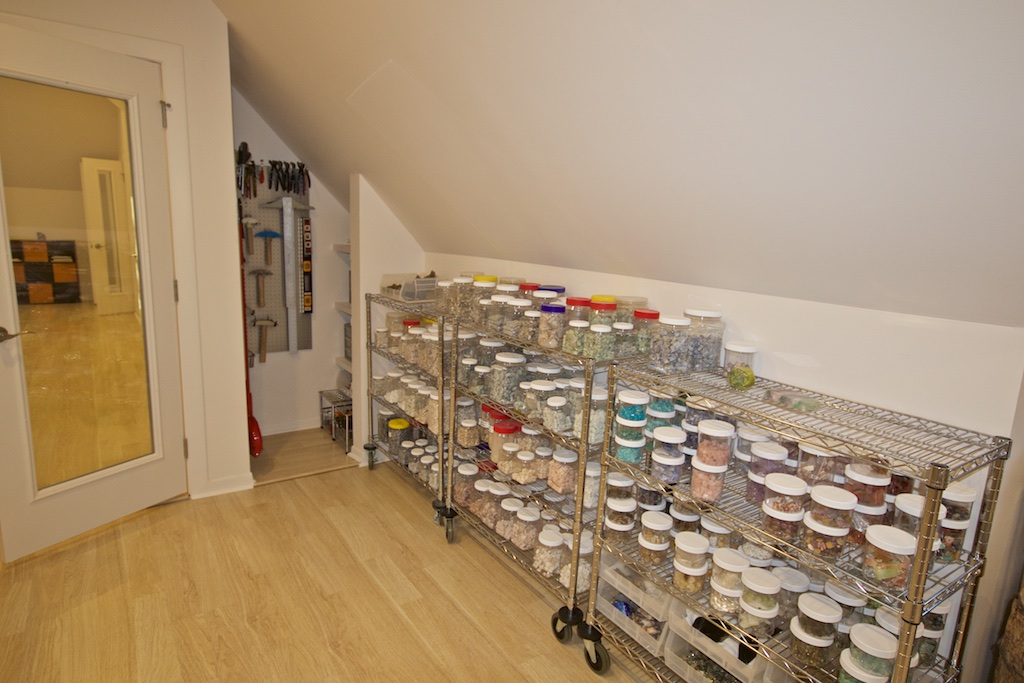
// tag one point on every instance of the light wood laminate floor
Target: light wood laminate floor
(298, 454)
(337, 577)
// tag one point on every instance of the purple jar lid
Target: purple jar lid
(552, 308)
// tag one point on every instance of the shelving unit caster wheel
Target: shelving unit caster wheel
(562, 631)
(449, 529)
(438, 512)
(371, 451)
(597, 656)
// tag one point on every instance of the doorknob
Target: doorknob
(5, 335)
(97, 246)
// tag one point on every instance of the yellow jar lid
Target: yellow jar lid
(603, 298)
(398, 423)
(485, 278)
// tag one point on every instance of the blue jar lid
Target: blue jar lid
(552, 308)
(553, 288)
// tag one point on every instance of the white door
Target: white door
(110, 234)
(90, 406)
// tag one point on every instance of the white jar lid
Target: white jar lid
(593, 469)
(491, 343)
(658, 521)
(843, 595)
(754, 562)
(856, 672)
(664, 457)
(630, 443)
(462, 280)
(484, 283)
(408, 444)
(758, 612)
(550, 538)
(798, 632)
(511, 447)
(740, 347)
(530, 430)
(690, 451)
(632, 397)
(692, 542)
(468, 469)
(468, 361)
(690, 571)
(644, 543)
(557, 401)
(742, 457)
(543, 451)
(482, 485)
(816, 450)
(545, 294)
(669, 434)
(874, 641)
(621, 504)
(630, 423)
(785, 484)
(601, 329)
(687, 427)
(619, 480)
(793, 580)
(711, 469)
(955, 523)
(674, 320)
(703, 313)
(618, 527)
(769, 450)
(865, 474)
(756, 478)
(730, 560)
(891, 539)
(599, 394)
(523, 303)
(833, 497)
(525, 456)
(683, 514)
(482, 369)
(820, 608)
(501, 298)
(712, 527)
(871, 510)
(622, 326)
(510, 358)
(395, 373)
(542, 385)
(794, 516)
(913, 504)
(417, 453)
(468, 334)
(666, 415)
(715, 428)
(891, 622)
(752, 434)
(565, 455)
(815, 525)
(761, 581)
(959, 492)
(500, 489)
(510, 504)
(579, 323)
(727, 592)
(528, 514)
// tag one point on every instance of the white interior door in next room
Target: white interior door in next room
(90, 401)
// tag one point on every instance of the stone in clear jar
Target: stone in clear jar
(784, 526)
(952, 533)
(632, 404)
(598, 409)
(656, 527)
(547, 558)
(509, 507)
(562, 472)
(537, 393)
(525, 528)
(959, 500)
(683, 518)
(811, 651)
(872, 649)
(832, 506)
(619, 534)
(909, 508)
(794, 583)
(760, 588)
(724, 601)
(645, 323)
(667, 466)
(755, 622)
(583, 563)
(625, 340)
(630, 430)
(739, 354)
(572, 339)
(817, 465)
(524, 472)
(618, 486)
(669, 346)
(689, 580)
(704, 339)
(823, 541)
(863, 517)
(621, 510)
(850, 600)
(556, 416)
(507, 372)
(849, 672)
(714, 443)
(653, 555)
(629, 451)
(889, 620)
(648, 496)
(707, 481)
(591, 485)
(755, 488)
(767, 457)
(478, 379)
(887, 556)
(727, 568)
(691, 550)
(865, 482)
(551, 326)
(462, 488)
(503, 432)
(602, 312)
(818, 615)
(718, 535)
(785, 492)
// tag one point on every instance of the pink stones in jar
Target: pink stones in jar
(867, 482)
(714, 442)
(707, 481)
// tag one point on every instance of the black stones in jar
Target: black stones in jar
(704, 339)
(572, 339)
(692, 435)
(714, 442)
(525, 528)
(653, 555)
(669, 347)
(683, 518)
(832, 506)
(562, 471)
(547, 558)
(691, 550)
(817, 465)
(551, 326)
(887, 556)
(818, 615)
(689, 580)
(707, 481)
(767, 457)
(959, 500)
(656, 527)
(865, 482)
(671, 440)
(811, 651)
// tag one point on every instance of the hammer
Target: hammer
(261, 275)
(268, 237)
(248, 222)
(262, 326)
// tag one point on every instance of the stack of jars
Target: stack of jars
(828, 519)
(714, 447)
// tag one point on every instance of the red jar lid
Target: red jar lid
(529, 286)
(602, 305)
(577, 301)
(411, 322)
(646, 314)
(506, 427)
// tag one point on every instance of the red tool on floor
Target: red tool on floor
(255, 437)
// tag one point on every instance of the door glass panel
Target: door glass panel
(67, 183)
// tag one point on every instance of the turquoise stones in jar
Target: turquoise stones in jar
(669, 346)
(632, 404)
(630, 451)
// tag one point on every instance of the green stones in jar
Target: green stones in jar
(887, 556)
(669, 346)
(823, 541)
(625, 340)
(602, 313)
(760, 588)
(599, 343)
(707, 481)
(865, 482)
(755, 622)
(873, 649)
(959, 500)
(714, 442)
(689, 580)
(704, 339)
(573, 338)
(832, 506)
(849, 672)
(630, 430)
(645, 323)
(727, 568)
(818, 615)
(562, 472)
(507, 372)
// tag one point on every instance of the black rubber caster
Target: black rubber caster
(371, 450)
(597, 656)
(562, 631)
(449, 529)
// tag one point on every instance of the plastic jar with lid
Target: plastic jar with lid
(591, 485)
(689, 580)
(625, 340)
(792, 584)
(887, 556)
(413, 463)
(832, 506)
(817, 465)
(620, 534)
(598, 410)
(384, 415)
(393, 385)
(630, 430)
(952, 533)
(645, 325)
(405, 452)
(667, 466)
(851, 601)
(507, 459)
(621, 510)
(909, 507)
(812, 652)
(586, 556)
(556, 415)
(536, 395)
(818, 615)
(873, 649)
(929, 645)
(691, 550)
(727, 568)
(959, 500)
(747, 436)
(785, 526)
(572, 338)
(577, 308)
(399, 430)
(626, 306)
(492, 503)
(707, 481)
(684, 518)
(669, 346)
(602, 313)
(466, 475)
(863, 517)
(618, 486)
(935, 620)
(434, 476)
(767, 457)
(891, 621)
(755, 491)
(724, 601)
(530, 438)
(487, 349)
(478, 379)
(503, 432)
(758, 554)
(562, 471)
(481, 490)
(785, 492)
(714, 442)
(631, 404)
(657, 418)
(739, 354)
(849, 672)
(654, 555)
(760, 588)
(692, 435)
(523, 471)
(510, 505)
(468, 434)
(551, 326)
(547, 558)
(542, 462)
(648, 496)
(599, 342)
(697, 410)
(755, 622)
(656, 527)
(525, 528)
(494, 314)
(821, 540)
(864, 481)
(670, 440)
(718, 536)
(630, 451)
(507, 372)
(704, 343)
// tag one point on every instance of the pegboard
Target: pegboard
(275, 305)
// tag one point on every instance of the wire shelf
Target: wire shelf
(637, 661)
(426, 309)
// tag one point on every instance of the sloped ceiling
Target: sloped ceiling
(867, 154)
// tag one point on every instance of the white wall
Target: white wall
(965, 374)
(284, 389)
(57, 213)
(189, 39)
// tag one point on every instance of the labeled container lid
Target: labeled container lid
(891, 539)
(711, 469)
(740, 347)
(550, 538)
(557, 401)
(618, 527)
(727, 592)
(644, 543)
(761, 581)
(674, 320)
(824, 529)
(820, 608)
(564, 455)
(866, 474)
(468, 469)
(959, 492)
(844, 595)
(668, 458)
(856, 672)
(630, 443)
(618, 480)
(758, 612)
(633, 397)
(717, 428)
(730, 560)
(769, 450)
(798, 632)
(690, 571)
(794, 516)
(833, 497)
(511, 504)
(713, 527)
(792, 580)
(683, 514)
(658, 521)
(669, 434)
(874, 641)
(913, 504)
(621, 504)
(785, 484)
(891, 622)
(630, 423)
(692, 542)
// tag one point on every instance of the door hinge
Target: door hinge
(185, 441)
(164, 106)
(175, 291)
